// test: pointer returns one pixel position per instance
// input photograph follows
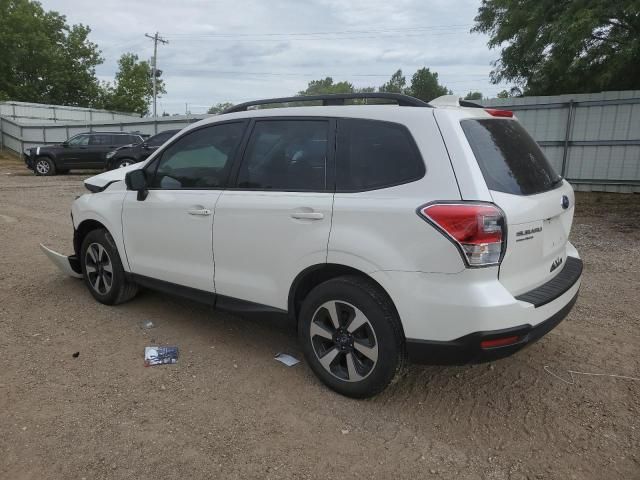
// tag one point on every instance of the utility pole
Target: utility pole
(154, 65)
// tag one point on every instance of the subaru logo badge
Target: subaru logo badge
(565, 202)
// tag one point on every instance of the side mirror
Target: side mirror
(136, 180)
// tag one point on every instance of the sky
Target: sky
(235, 51)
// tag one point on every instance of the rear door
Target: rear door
(538, 204)
(275, 221)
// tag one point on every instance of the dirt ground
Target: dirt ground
(228, 410)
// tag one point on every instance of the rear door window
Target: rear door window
(288, 155)
(510, 160)
(100, 139)
(372, 154)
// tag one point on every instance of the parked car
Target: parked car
(436, 233)
(129, 154)
(85, 150)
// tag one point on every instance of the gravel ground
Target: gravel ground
(228, 410)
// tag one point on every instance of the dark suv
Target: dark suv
(85, 150)
(130, 154)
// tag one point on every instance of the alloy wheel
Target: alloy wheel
(344, 341)
(43, 167)
(99, 268)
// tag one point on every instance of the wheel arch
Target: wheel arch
(83, 230)
(314, 275)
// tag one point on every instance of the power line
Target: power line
(156, 38)
(338, 32)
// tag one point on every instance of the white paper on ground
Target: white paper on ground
(287, 359)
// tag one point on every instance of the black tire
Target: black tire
(44, 166)
(352, 294)
(94, 265)
(123, 162)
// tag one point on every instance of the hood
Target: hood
(100, 182)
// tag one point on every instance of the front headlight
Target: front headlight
(110, 154)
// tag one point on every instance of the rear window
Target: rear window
(510, 160)
(372, 154)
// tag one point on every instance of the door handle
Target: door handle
(201, 211)
(307, 215)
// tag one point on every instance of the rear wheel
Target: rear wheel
(102, 269)
(44, 166)
(351, 336)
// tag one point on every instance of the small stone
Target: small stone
(492, 367)
(235, 365)
(432, 471)
(162, 387)
(344, 432)
(24, 428)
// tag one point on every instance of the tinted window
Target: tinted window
(373, 154)
(98, 139)
(510, 160)
(160, 138)
(199, 159)
(286, 155)
(79, 140)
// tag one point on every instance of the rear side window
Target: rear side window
(373, 154)
(288, 155)
(99, 139)
(510, 160)
(159, 139)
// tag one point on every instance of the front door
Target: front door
(168, 235)
(74, 151)
(275, 221)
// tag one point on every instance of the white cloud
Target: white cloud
(246, 49)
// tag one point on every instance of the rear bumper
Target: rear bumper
(446, 317)
(468, 349)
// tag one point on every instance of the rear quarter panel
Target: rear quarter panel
(380, 229)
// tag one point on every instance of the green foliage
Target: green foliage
(396, 84)
(325, 86)
(561, 47)
(425, 86)
(219, 108)
(473, 96)
(42, 59)
(132, 90)
(513, 92)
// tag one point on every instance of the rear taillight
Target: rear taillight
(477, 229)
(494, 112)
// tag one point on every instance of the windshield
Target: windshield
(510, 160)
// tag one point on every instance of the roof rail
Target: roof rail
(333, 99)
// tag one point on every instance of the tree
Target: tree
(132, 90)
(42, 59)
(219, 108)
(396, 84)
(425, 86)
(512, 92)
(473, 96)
(326, 85)
(557, 47)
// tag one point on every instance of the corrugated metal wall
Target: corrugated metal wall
(18, 135)
(44, 114)
(592, 139)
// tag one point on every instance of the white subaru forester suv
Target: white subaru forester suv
(435, 233)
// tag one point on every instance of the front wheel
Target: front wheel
(102, 269)
(125, 162)
(44, 166)
(351, 336)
